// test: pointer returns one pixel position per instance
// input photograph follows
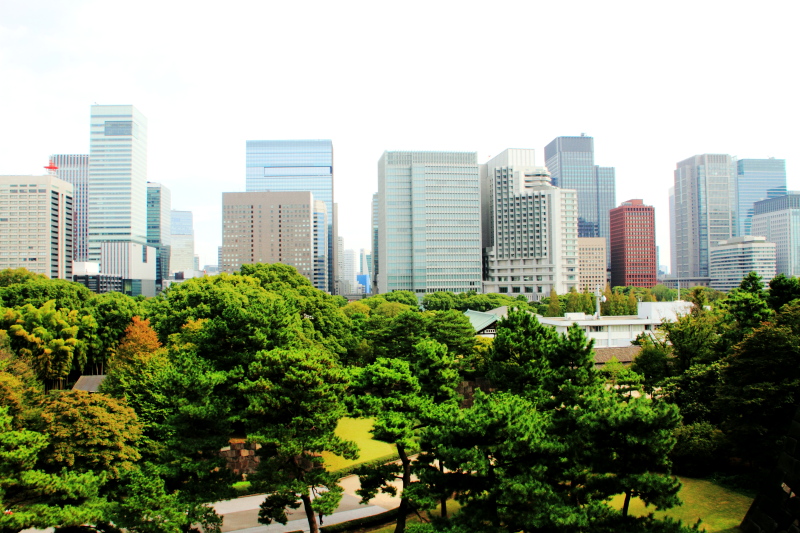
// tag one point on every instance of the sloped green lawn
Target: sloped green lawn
(720, 509)
(358, 430)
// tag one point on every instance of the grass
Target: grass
(721, 509)
(357, 430)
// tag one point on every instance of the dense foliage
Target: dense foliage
(262, 355)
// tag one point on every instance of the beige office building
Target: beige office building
(276, 227)
(592, 262)
(36, 225)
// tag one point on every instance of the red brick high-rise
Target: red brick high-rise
(633, 245)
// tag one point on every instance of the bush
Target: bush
(696, 452)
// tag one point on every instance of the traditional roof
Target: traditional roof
(479, 320)
(624, 354)
(89, 383)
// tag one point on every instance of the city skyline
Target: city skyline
(624, 96)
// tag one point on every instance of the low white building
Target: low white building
(731, 260)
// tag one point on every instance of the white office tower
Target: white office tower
(778, 219)
(182, 245)
(74, 169)
(429, 230)
(349, 272)
(36, 225)
(117, 199)
(530, 228)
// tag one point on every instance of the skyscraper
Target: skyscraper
(74, 169)
(704, 211)
(374, 263)
(117, 177)
(530, 235)
(296, 165)
(570, 161)
(36, 225)
(159, 227)
(757, 179)
(778, 219)
(182, 242)
(429, 230)
(633, 245)
(288, 227)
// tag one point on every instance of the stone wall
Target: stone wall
(467, 390)
(241, 456)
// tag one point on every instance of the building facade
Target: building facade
(732, 259)
(181, 243)
(134, 263)
(429, 222)
(704, 211)
(276, 227)
(778, 219)
(36, 225)
(159, 227)
(530, 232)
(74, 169)
(117, 199)
(757, 179)
(633, 245)
(592, 266)
(296, 165)
(570, 161)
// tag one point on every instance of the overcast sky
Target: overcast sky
(652, 82)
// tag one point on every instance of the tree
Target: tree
(113, 312)
(31, 497)
(36, 292)
(653, 362)
(693, 337)
(574, 301)
(403, 297)
(438, 301)
(89, 432)
(295, 400)
(554, 306)
(356, 307)
(453, 329)
(13, 276)
(782, 290)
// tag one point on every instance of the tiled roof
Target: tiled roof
(624, 354)
(479, 320)
(89, 383)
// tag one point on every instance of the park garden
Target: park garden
(552, 445)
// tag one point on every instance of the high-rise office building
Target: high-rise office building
(276, 227)
(374, 265)
(36, 225)
(117, 199)
(730, 260)
(429, 229)
(633, 245)
(182, 242)
(74, 169)
(570, 161)
(296, 165)
(159, 227)
(778, 219)
(757, 179)
(592, 264)
(704, 211)
(530, 228)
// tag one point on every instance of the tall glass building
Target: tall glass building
(757, 179)
(703, 211)
(295, 165)
(429, 222)
(159, 227)
(182, 242)
(74, 169)
(117, 199)
(570, 161)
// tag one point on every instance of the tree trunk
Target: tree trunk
(444, 496)
(312, 518)
(626, 504)
(403, 510)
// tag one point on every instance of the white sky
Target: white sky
(652, 82)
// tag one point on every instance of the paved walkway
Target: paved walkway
(241, 514)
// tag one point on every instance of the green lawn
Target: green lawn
(358, 430)
(721, 509)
